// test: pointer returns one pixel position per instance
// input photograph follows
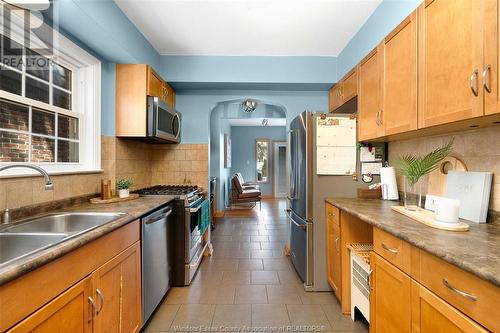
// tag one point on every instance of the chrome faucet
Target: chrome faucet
(49, 185)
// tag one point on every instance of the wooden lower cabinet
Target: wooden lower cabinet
(69, 312)
(390, 309)
(117, 287)
(108, 300)
(429, 313)
(333, 257)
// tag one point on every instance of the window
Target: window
(49, 112)
(262, 160)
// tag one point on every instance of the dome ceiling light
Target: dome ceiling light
(249, 105)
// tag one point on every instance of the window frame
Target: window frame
(85, 102)
(268, 178)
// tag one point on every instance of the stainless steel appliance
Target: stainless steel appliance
(155, 259)
(164, 123)
(307, 192)
(186, 242)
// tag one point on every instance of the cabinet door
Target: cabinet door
(399, 112)
(155, 84)
(169, 95)
(390, 309)
(490, 74)
(350, 86)
(333, 256)
(450, 61)
(429, 313)
(334, 98)
(69, 312)
(370, 96)
(118, 293)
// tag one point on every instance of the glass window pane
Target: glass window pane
(10, 81)
(37, 65)
(67, 151)
(14, 147)
(67, 127)
(14, 116)
(61, 98)
(61, 76)
(37, 90)
(43, 122)
(11, 53)
(42, 149)
(262, 159)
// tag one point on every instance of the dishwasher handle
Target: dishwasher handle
(156, 218)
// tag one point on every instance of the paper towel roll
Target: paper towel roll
(389, 184)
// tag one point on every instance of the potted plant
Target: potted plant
(123, 186)
(413, 168)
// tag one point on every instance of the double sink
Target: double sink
(32, 235)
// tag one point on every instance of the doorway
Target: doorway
(280, 169)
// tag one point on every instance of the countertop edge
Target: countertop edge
(19, 268)
(442, 255)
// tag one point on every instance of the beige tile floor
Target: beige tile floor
(249, 283)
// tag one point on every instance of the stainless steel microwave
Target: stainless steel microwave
(164, 123)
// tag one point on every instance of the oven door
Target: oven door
(163, 122)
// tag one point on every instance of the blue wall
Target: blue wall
(243, 151)
(383, 20)
(195, 106)
(215, 71)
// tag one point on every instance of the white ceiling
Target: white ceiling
(249, 27)
(257, 122)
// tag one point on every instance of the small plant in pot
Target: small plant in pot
(413, 168)
(123, 186)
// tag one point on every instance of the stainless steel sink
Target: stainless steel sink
(36, 234)
(68, 223)
(15, 246)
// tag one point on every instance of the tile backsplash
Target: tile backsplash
(146, 164)
(478, 149)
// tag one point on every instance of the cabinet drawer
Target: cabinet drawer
(393, 249)
(475, 297)
(333, 215)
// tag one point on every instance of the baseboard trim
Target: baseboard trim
(219, 213)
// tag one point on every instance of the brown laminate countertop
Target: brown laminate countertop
(133, 210)
(476, 250)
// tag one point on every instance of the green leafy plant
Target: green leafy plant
(414, 167)
(124, 184)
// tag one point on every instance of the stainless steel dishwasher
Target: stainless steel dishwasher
(155, 262)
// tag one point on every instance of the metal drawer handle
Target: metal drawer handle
(461, 293)
(486, 78)
(331, 214)
(385, 247)
(92, 310)
(101, 300)
(473, 82)
(337, 243)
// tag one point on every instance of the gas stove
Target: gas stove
(189, 193)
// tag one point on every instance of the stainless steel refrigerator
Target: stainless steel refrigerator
(306, 202)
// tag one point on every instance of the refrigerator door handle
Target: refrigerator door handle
(293, 190)
(298, 225)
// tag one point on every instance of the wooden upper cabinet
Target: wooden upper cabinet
(334, 97)
(429, 313)
(344, 90)
(350, 85)
(399, 111)
(450, 61)
(390, 309)
(370, 95)
(134, 82)
(118, 293)
(490, 72)
(69, 312)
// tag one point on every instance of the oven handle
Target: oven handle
(194, 210)
(161, 217)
